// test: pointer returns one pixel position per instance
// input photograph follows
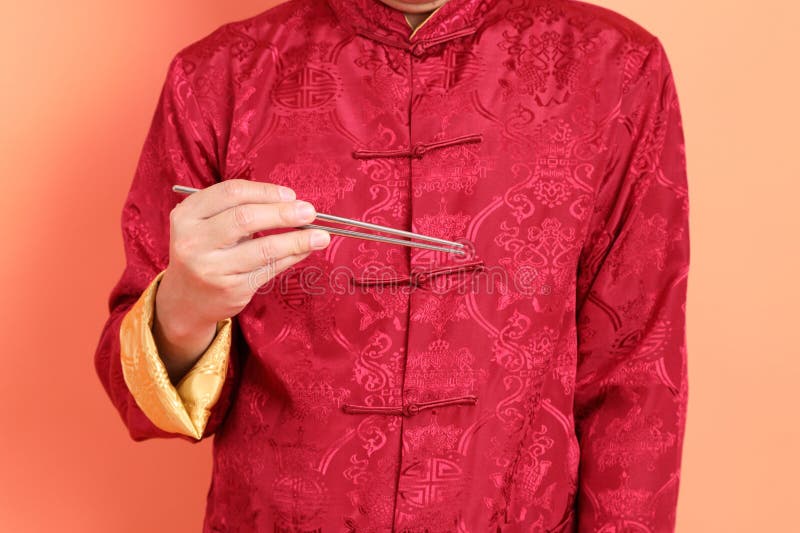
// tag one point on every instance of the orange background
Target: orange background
(80, 80)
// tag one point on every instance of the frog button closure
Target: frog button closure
(418, 49)
(419, 150)
(410, 409)
(420, 278)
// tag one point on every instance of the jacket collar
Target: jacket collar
(376, 20)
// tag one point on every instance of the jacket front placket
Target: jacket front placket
(439, 382)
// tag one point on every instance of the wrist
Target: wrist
(180, 338)
(175, 316)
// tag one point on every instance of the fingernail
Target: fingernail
(285, 193)
(304, 210)
(320, 239)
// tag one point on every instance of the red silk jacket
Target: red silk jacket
(537, 384)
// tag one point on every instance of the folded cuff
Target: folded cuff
(183, 408)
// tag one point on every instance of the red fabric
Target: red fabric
(538, 384)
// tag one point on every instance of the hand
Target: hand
(215, 264)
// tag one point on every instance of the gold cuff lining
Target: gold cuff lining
(185, 407)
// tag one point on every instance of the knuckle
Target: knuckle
(234, 188)
(302, 242)
(267, 252)
(287, 215)
(243, 216)
(271, 191)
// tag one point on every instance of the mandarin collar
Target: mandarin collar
(374, 19)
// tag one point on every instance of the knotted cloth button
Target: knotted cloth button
(418, 49)
(410, 409)
(419, 278)
(419, 150)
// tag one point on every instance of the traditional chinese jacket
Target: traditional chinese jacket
(536, 384)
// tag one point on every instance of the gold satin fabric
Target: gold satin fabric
(183, 408)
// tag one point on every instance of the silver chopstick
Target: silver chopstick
(367, 225)
(392, 231)
(381, 238)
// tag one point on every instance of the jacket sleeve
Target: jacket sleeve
(179, 148)
(631, 385)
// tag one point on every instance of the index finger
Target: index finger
(226, 194)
